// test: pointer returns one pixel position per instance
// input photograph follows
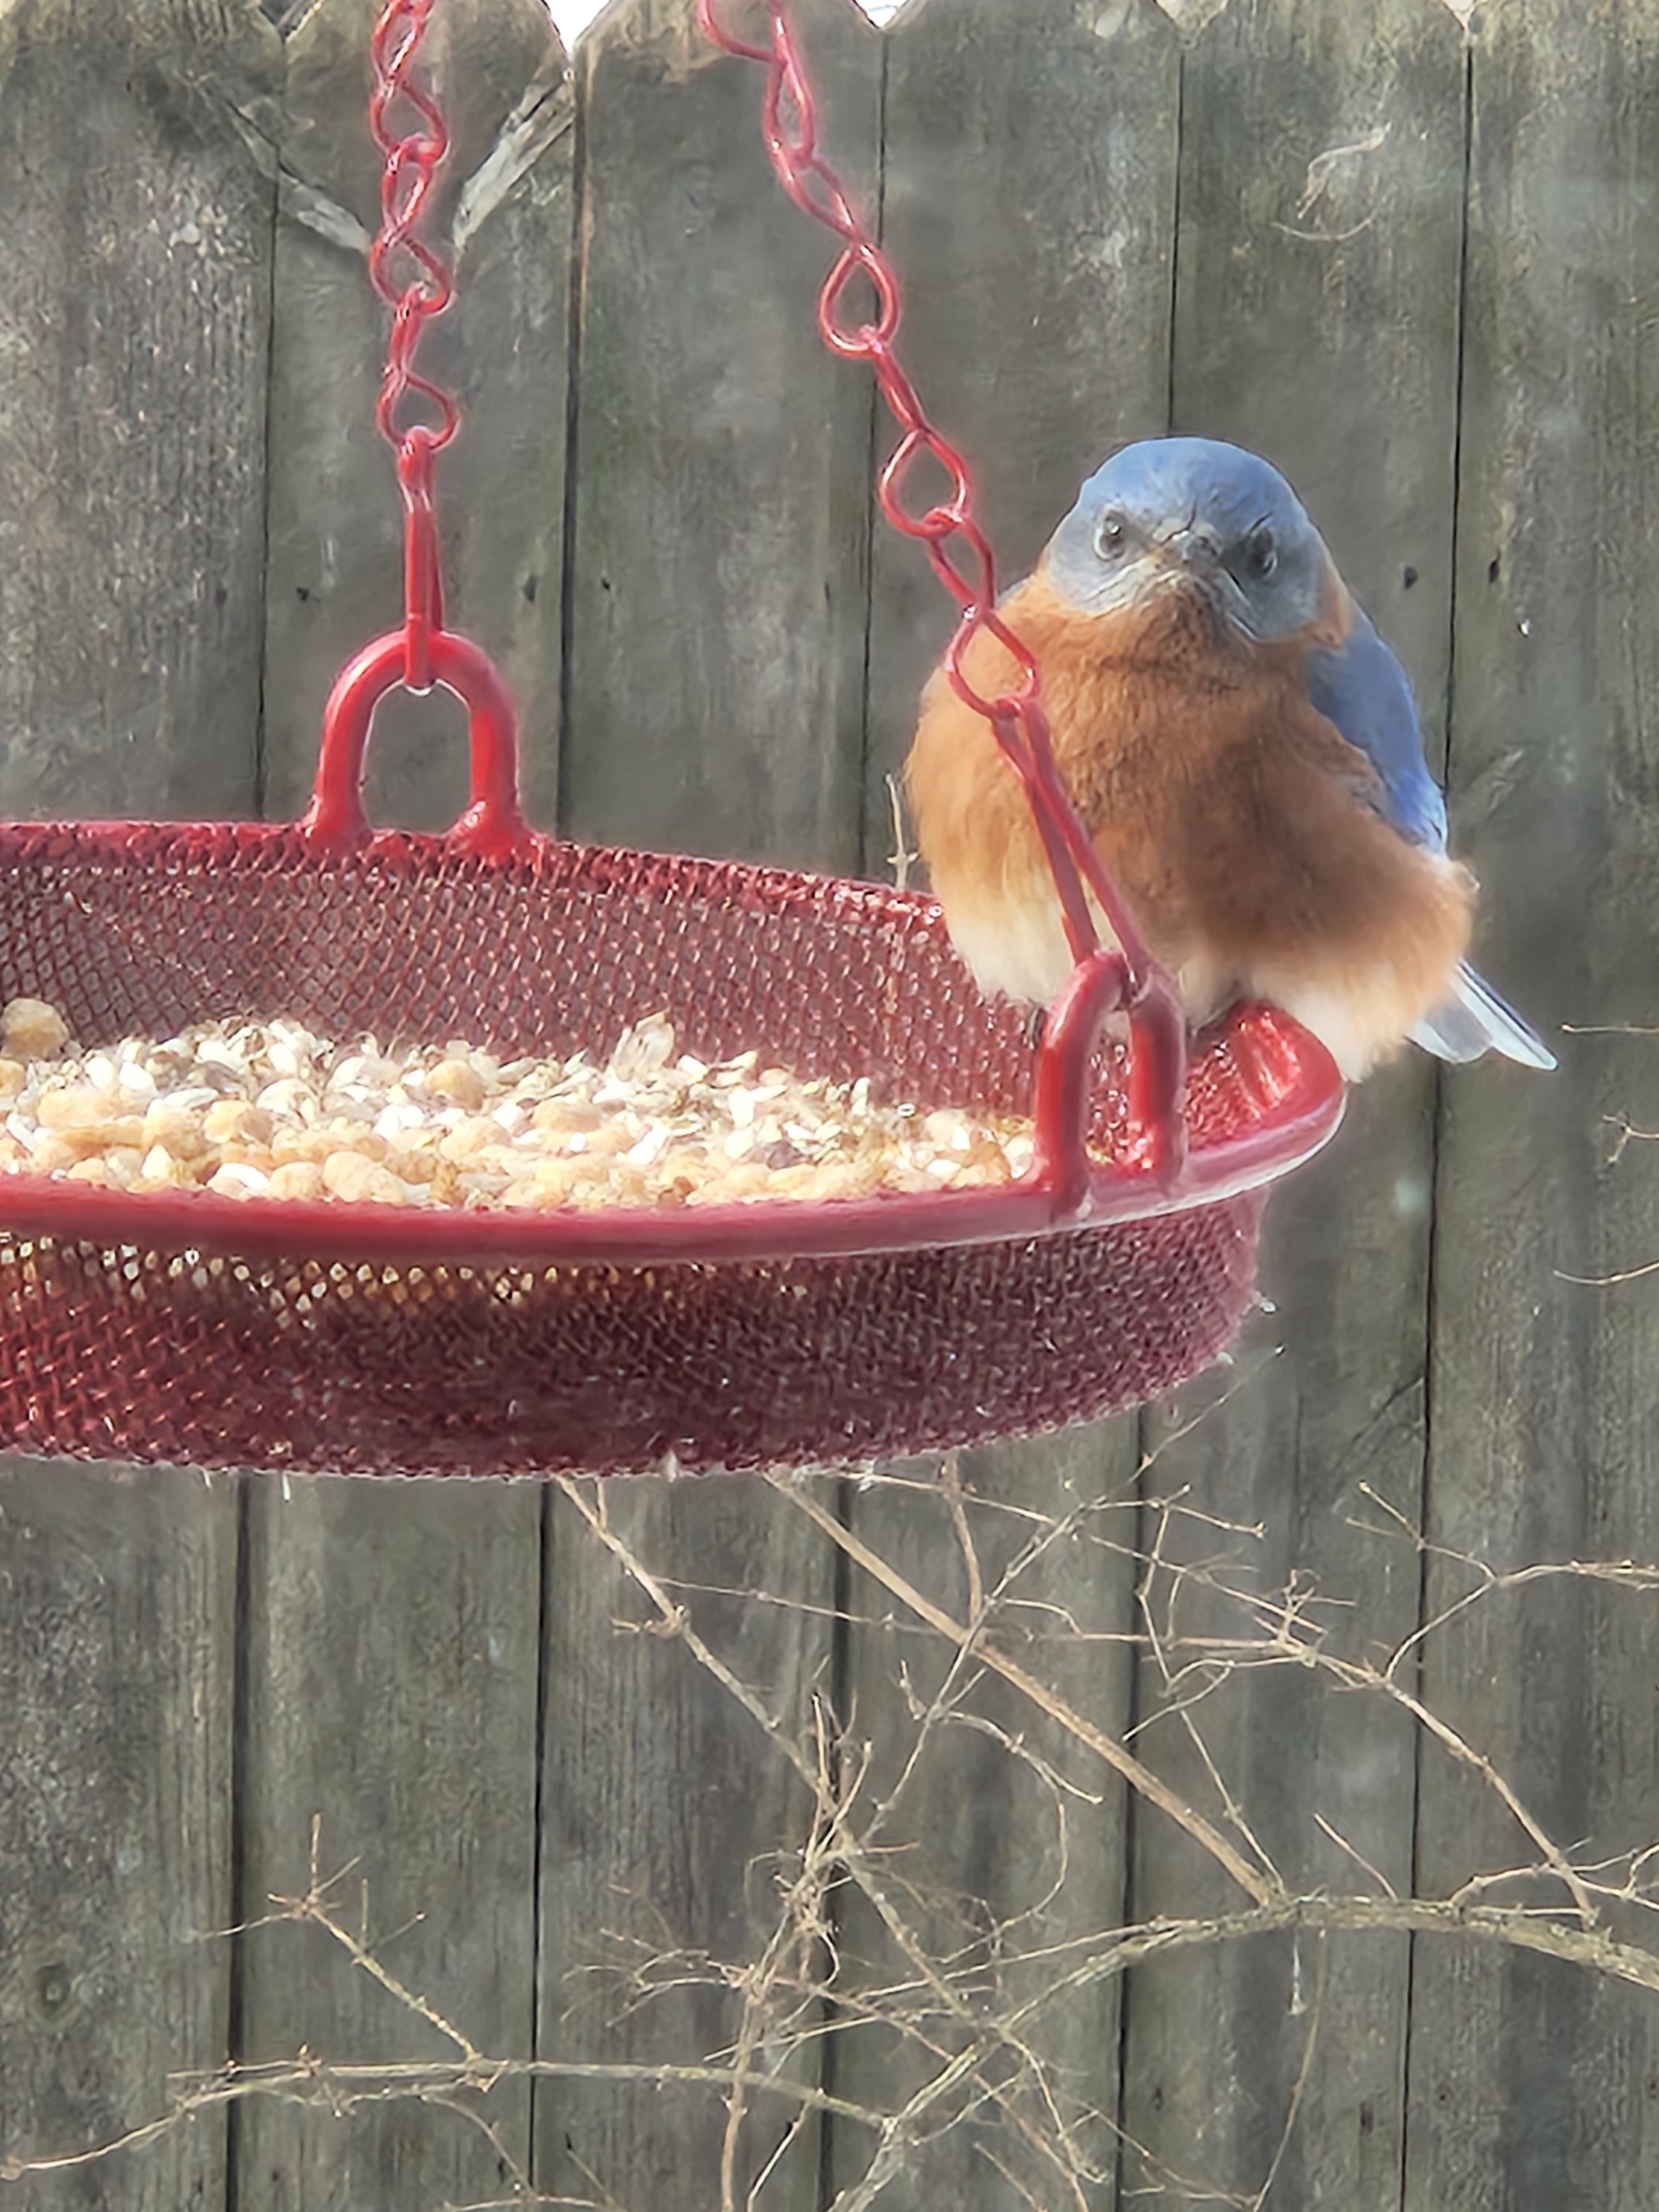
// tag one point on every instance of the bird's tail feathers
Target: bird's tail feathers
(1475, 1020)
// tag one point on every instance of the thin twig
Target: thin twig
(1140, 1776)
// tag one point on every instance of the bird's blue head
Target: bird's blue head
(1193, 514)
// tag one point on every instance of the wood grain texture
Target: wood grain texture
(1317, 303)
(135, 213)
(1036, 257)
(117, 1596)
(1531, 2086)
(718, 589)
(391, 1675)
(392, 1638)
(502, 214)
(671, 1823)
(717, 614)
(135, 301)
(997, 1841)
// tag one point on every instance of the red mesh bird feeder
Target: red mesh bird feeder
(330, 1334)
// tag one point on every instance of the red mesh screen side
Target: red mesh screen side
(454, 1371)
(446, 1370)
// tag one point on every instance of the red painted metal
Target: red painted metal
(415, 282)
(493, 825)
(409, 935)
(963, 559)
(381, 1340)
(375, 1339)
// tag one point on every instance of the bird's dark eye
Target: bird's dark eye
(1261, 554)
(1110, 535)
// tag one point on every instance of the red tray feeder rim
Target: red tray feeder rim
(1300, 1095)
(232, 1331)
(1287, 1073)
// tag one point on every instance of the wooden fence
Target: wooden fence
(1415, 261)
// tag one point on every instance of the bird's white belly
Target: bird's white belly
(1016, 949)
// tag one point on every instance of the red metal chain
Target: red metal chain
(962, 557)
(416, 284)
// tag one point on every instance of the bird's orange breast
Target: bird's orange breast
(1232, 814)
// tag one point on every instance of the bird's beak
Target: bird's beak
(1189, 546)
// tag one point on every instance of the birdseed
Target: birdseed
(267, 1110)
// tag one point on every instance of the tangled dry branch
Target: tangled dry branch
(857, 1942)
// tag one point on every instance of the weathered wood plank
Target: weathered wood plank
(1028, 203)
(117, 1598)
(1315, 321)
(392, 1692)
(994, 1839)
(1037, 264)
(336, 567)
(134, 297)
(720, 512)
(672, 1823)
(717, 602)
(136, 215)
(392, 1663)
(1532, 2083)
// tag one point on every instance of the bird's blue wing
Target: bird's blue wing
(1361, 688)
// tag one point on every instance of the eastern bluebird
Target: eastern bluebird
(1242, 748)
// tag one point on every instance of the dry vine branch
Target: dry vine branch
(1140, 1777)
(970, 1997)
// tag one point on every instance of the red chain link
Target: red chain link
(416, 284)
(962, 558)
